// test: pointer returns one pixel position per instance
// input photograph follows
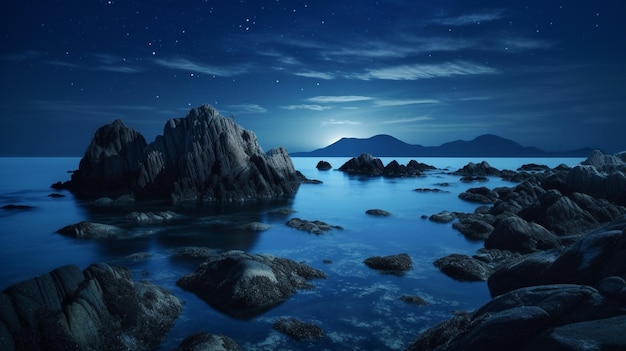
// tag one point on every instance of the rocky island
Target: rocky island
(203, 157)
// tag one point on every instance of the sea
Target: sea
(357, 307)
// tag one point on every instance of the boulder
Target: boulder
(91, 230)
(201, 157)
(609, 185)
(207, 342)
(101, 308)
(315, 227)
(517, 235)
(533, 167)
(323, 166)
(417, 168)
(244, 285)
(394, 169)
(365, 164)
(477, 169)
(393, 264)
(442, 217)
(299, 330)
(151, 217)
(413, 300)
(463, 268)
(481, 195)
(474, 227)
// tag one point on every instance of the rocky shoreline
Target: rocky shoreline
(552, 259)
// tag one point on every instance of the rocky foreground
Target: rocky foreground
(553, 260)
(201, 157)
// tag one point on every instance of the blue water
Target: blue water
(357, 307)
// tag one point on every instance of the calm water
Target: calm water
(357, 307)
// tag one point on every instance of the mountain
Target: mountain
(487, 145)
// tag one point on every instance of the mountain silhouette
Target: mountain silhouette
(487, 145)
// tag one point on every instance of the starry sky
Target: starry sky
(302, 74)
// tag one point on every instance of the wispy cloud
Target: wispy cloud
(187, 65)
(333, 121)
(306, 107)
(313, 74)
(247, 108)
(338, 99)
(390, 103)
(408, 120)
(471, 18)
(424, 71)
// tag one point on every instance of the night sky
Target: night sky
(302, 74)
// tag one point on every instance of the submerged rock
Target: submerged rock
(150, 217)
(378, 212)
(299, 330)
(315, 227)
(243, 285)
(442, 217)
(90, 230)
(101, 308)
(201, 157)
(413, 300)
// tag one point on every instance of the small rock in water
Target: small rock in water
(413, 300)
(315, 227)
(299, 330)
(394, 264)
(205, 341)
(378, 212)
(323, 166)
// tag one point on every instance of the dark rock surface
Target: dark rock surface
(515, 234)
(413, 300)
(365, 164)
(315, 226)
(101, 308)
(91, 230)
(549, 317)
(12, 207)
(201, 157)
(378, 212)
(442, 217)
(151, 217)
(299, 330)
(323, 166)
(393, 264)
(463, 267)
(243, 285)
(480, 195)
(207, 342)
(477, 169)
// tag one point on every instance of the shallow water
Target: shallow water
(358, 308)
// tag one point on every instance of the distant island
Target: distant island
(487, 145)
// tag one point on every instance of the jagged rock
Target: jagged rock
(98, 309)
(417, 168)
(394, 169)
(299, 330)
(207, 342)
(364, 164)
(90, 230)
(393, 264)
(323, 166)
(201, 157)
(315, 227)
(243, 285)
(378, 212)
(550, 317)
(475, 227)
(517, 235)
(463, 267)
(481, 195)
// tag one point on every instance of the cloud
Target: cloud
(471, 18)
(424, 71)
(408, 120)
(306, 107)
(389, 103)
(338, 99)
(187, 65)
(247, 108)
(333, 121)
(312, 74)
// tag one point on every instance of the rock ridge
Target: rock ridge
(202, 157)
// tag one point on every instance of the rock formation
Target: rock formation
(392, 264)
(207, 342)
(299, 330)
(366, 164)
(98, 309)
(201, 157)
(243, 285)
(315, 226)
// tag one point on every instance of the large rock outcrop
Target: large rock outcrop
(101, 308)
(201, 157)
(243, 285)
